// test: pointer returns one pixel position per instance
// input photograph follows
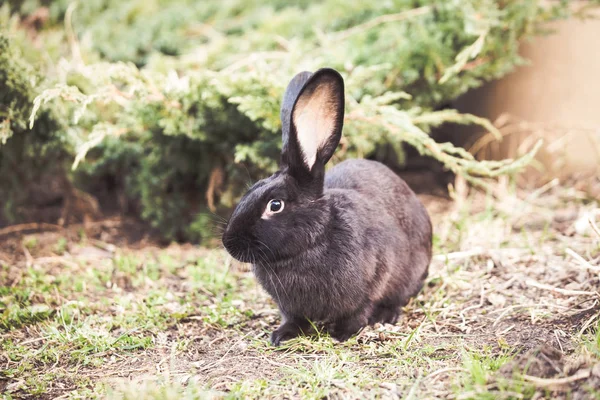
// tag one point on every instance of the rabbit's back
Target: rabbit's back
(380, 186)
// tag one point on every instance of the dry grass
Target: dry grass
(510, 310)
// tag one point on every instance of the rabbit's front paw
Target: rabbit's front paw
(289, 330)
(386, 314)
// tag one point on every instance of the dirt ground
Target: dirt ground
(510, 310)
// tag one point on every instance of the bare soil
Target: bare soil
(511, 309)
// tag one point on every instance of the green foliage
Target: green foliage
(177, 102)
(26, 156)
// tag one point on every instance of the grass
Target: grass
(80, 318)
(591, 341)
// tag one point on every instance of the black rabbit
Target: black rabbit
(344, 248)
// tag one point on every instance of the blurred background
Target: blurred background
(163, 112)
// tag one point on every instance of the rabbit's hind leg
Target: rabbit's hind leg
(386, 312)
(344, 328)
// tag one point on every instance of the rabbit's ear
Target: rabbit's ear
(289, 99)
(315, 126)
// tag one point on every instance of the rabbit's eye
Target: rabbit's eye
(273, 207)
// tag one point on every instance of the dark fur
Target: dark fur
(350, 247)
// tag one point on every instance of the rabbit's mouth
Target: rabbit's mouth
(240, 248)
(249, 251)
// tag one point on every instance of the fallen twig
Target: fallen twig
(553, 382)
(503, 312)
(457, 255)
(559, 343)
(474, 307)
(594, 226)
(582, 260)
(543, 189)
(111, 248)
(587, 323)
(62, 260)
(444, 370)
(476, 251)
(531, 282)
(28, 257)
(27, 227)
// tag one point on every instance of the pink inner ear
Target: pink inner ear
(314, 118)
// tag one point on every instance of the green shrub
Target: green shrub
(177, 102)
(37, 156)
